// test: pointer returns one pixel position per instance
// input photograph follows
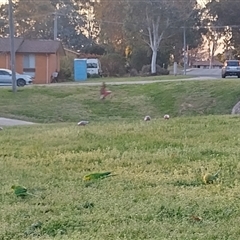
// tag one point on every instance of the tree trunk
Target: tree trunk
(154, 60)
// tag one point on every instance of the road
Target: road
(12, 122)
(204, 72)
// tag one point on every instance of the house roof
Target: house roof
(5, 45)
(22, 45)
(207, 63)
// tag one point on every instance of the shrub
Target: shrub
(94, 75)
(133, 72)
(146, 70)
(139, 57)
(66, 69)
(113, 65)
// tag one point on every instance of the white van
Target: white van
(94, 66)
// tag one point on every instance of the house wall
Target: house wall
(45, 65)
(19, 63)
(41, 66)
(3, 60)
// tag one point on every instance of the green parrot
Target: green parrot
(20, 191)
(209, 178)
(94, 176)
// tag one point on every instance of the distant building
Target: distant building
(206, 64)
(38, 58)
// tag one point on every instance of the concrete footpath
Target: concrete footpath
(12, 122)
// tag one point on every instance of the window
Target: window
(233, 63)
(5, 73)
(29, 61)
(91, 65)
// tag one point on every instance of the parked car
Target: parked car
(94, 66)
(231, 68)
(6, 78)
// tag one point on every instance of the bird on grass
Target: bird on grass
(166, 117)
(196, 218)
(147, 118)
(95, 176)
(210, 178)
(83, 123)
(20, 191)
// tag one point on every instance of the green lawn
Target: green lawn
(74, 103)
(157, 192)
(139, 78)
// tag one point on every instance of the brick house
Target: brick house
(36, 57)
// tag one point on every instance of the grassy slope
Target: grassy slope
(60, 104)
(158, 164)
(139, 78)
(154, 195)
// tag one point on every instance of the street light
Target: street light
(11, 31)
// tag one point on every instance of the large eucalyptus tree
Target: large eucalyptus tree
(156, 20)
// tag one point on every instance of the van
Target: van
(94, 66)
(231, 68)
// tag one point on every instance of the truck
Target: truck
(94, 66)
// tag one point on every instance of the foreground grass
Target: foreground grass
(74, 103)
(155, 194)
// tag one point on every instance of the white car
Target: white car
(6, 78)
(94, 66)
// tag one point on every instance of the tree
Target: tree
(109, 17)
(4, 29)
(225, 15)
(213, 39)
(34, 19)
(31, 17)
(152, 20)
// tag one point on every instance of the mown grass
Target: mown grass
(74, 103)
(138, 78)
(157, 192)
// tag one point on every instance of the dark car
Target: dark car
(231, 68)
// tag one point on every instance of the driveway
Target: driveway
(13, 122)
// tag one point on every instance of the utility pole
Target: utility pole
(184, 49)
(11, 31)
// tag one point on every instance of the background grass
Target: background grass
(74, 103)
(138, 78)
(157, 192)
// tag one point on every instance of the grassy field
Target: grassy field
(139, 78)
(157, 192)
(74, 103)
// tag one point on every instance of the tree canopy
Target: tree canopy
(153, 28)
